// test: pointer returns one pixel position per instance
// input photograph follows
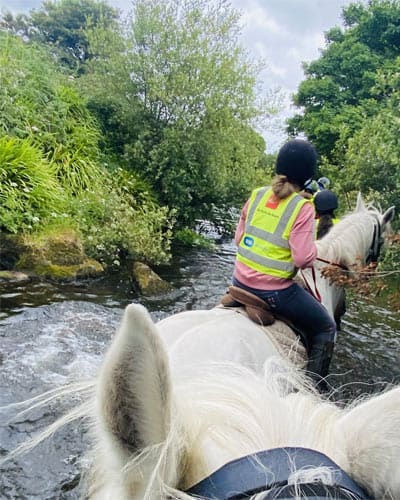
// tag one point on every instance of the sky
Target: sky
(284, 33)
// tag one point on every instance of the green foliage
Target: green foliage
(345, 75)
(52, 171)
(181, 103)
(41, 104)
(368, 160)
(187, 237)
(62, 26)
(27, 82)
(351, 100)
(134, 187)
(29, 191)
(114, 226)
(153, 130)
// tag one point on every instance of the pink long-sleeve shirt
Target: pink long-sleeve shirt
(302, 246)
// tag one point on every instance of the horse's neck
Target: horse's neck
(231, 415)
(348, 241)
(346, 245)
(329, 293)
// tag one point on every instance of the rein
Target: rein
(332, 263)
(314, 290)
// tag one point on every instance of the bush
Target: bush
(29, 191)
(114, 225)
(188, 238)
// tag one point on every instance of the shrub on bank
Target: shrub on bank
(52, 172)
(29, 190)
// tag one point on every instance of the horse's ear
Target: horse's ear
(360, 207)
(388, 216)
(133, 393)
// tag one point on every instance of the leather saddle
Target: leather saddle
(256, 308)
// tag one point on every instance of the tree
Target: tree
(52, 171)
(345, 75)
(62, 24)
(373, 154)
(187, 89)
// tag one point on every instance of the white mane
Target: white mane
(241, 412)
(155, 435)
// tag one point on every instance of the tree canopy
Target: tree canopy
(62, 25)
(349, 100)
(183, 92)
(345, 74)
(151, 117)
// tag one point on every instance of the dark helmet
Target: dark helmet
(325, 201)
(297, 159)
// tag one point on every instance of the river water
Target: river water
(55, 334)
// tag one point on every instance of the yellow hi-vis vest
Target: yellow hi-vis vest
(264, 246)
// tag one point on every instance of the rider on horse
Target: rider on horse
(325, 202)
(275, 237)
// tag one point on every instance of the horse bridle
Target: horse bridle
(268, 471)
(377, 242)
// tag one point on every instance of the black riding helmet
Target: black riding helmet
(297, 159)
(325, 201)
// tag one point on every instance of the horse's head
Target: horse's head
(357, 239)
(381, 227)
(157, 437)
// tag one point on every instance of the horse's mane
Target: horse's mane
(346, 243)
(234, 407)
(240, 411)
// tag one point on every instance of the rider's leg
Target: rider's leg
(309, 315)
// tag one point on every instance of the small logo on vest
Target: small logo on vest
(272, 202)
(249, 242)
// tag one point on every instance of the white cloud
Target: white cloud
(256, 16)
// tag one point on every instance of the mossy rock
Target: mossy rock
(88, 269)
(59, 256)
(148, 281)
(13, 276)
(64, 249)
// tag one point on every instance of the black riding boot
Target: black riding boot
(319, 360)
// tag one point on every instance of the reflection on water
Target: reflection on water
(52, 334)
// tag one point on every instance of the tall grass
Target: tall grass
(52, 172)
(29, 191)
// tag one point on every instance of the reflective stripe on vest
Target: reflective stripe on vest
(264, 246)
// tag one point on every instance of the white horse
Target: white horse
(207, 392)
(179, 399)
(351, 244)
